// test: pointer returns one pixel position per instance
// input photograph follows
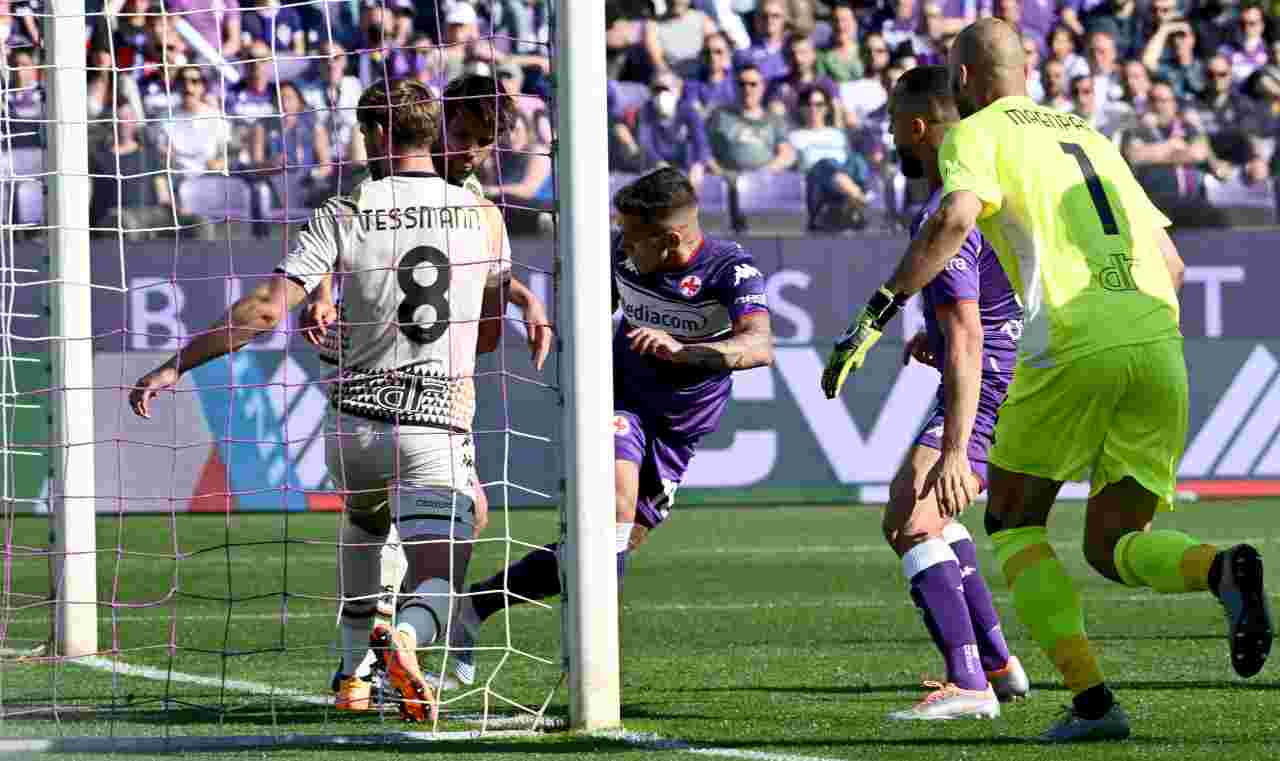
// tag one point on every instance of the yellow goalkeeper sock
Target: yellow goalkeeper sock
(1047, 603)
(1166, 561)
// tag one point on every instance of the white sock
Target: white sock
(355, 645)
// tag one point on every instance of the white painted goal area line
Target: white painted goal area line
(174, 744)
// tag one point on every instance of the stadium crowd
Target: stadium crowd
(767, 104)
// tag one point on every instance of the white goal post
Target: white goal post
(72, 506)
(582, 178)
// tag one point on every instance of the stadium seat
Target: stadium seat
(22, 162)
(632, 94)
(285, 199)
(215, 197)
(771, 191)
(30, 207)
(292, 68)
(713, 196)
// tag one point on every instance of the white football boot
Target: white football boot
(1011, 682)
(947, 701)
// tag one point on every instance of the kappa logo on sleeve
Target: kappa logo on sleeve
(744, 272)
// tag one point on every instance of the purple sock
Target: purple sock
(982, 611)
(937, 590)
(535, 576)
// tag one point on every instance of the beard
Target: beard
(379, 168)
(909, 164)
(966, 106)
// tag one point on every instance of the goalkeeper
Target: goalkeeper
(972, 322)
(1100, 389)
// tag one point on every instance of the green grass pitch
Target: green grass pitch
(766, 633)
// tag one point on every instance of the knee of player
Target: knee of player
(624, 505)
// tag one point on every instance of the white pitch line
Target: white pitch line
(650, 741)
(160, 675)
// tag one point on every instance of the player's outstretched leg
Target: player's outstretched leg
(1120, 546)
(1004, 671)
(913, 527)
(536, 576)
(1047, 602)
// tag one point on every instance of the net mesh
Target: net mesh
(214, 134)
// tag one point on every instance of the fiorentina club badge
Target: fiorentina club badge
(621, 426)
(690, 286)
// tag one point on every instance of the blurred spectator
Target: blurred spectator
(1176, 60)
(624, 49)
(624, 152)
(841, 61)
(675, 41)
(931, 44)
(26, 31)
(1057, 91)
(836, 194)
(334, 97)
(511, 81)
(1031, 54)
(217, 21)
(1165, 150)
(1247, 49)
(1062, 48)
(727, 19)
(1120, 19)
(254, 96)
(1103, 66)
(380, 57)
(670, 132)
(783, 94)
(1037, 18)
(522, 30)
(129, 189)
(129, 37)
(279, 27)
(746, 138)
(898, 27)
(25, 100)
(1264, 84)
(295, 146)
(766, 51)
(1226, 115)
(1137, 85)
(1011, 11)
(862, 96)
(196, 138)
(164, 54)
(817, 138)
(523, 177)
(714, 84)
(1105, 116)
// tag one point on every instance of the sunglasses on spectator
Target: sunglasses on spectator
(750, 82)
(1083, 91)
(879, 51)
(1220, 74)
(817, 103)
(718, 51)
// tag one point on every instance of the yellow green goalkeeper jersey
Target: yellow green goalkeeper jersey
(1071, 226)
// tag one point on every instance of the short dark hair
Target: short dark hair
(656, 195)
(927, 88)
(479, 97)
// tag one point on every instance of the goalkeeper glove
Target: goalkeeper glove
(851, 350)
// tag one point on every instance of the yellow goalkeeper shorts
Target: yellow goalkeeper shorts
(1120, 412)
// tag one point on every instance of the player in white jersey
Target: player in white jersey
(425, 267)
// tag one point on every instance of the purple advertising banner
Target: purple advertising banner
(244, 433)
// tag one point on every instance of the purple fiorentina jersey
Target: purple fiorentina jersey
(696, 304)
(974, 274)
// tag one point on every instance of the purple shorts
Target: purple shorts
(663, 459)
(984, 426)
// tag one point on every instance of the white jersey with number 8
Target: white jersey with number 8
(413, 255)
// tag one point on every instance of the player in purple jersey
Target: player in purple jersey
(693, 311)
(972, 324)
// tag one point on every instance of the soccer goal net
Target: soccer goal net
(173, 582)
